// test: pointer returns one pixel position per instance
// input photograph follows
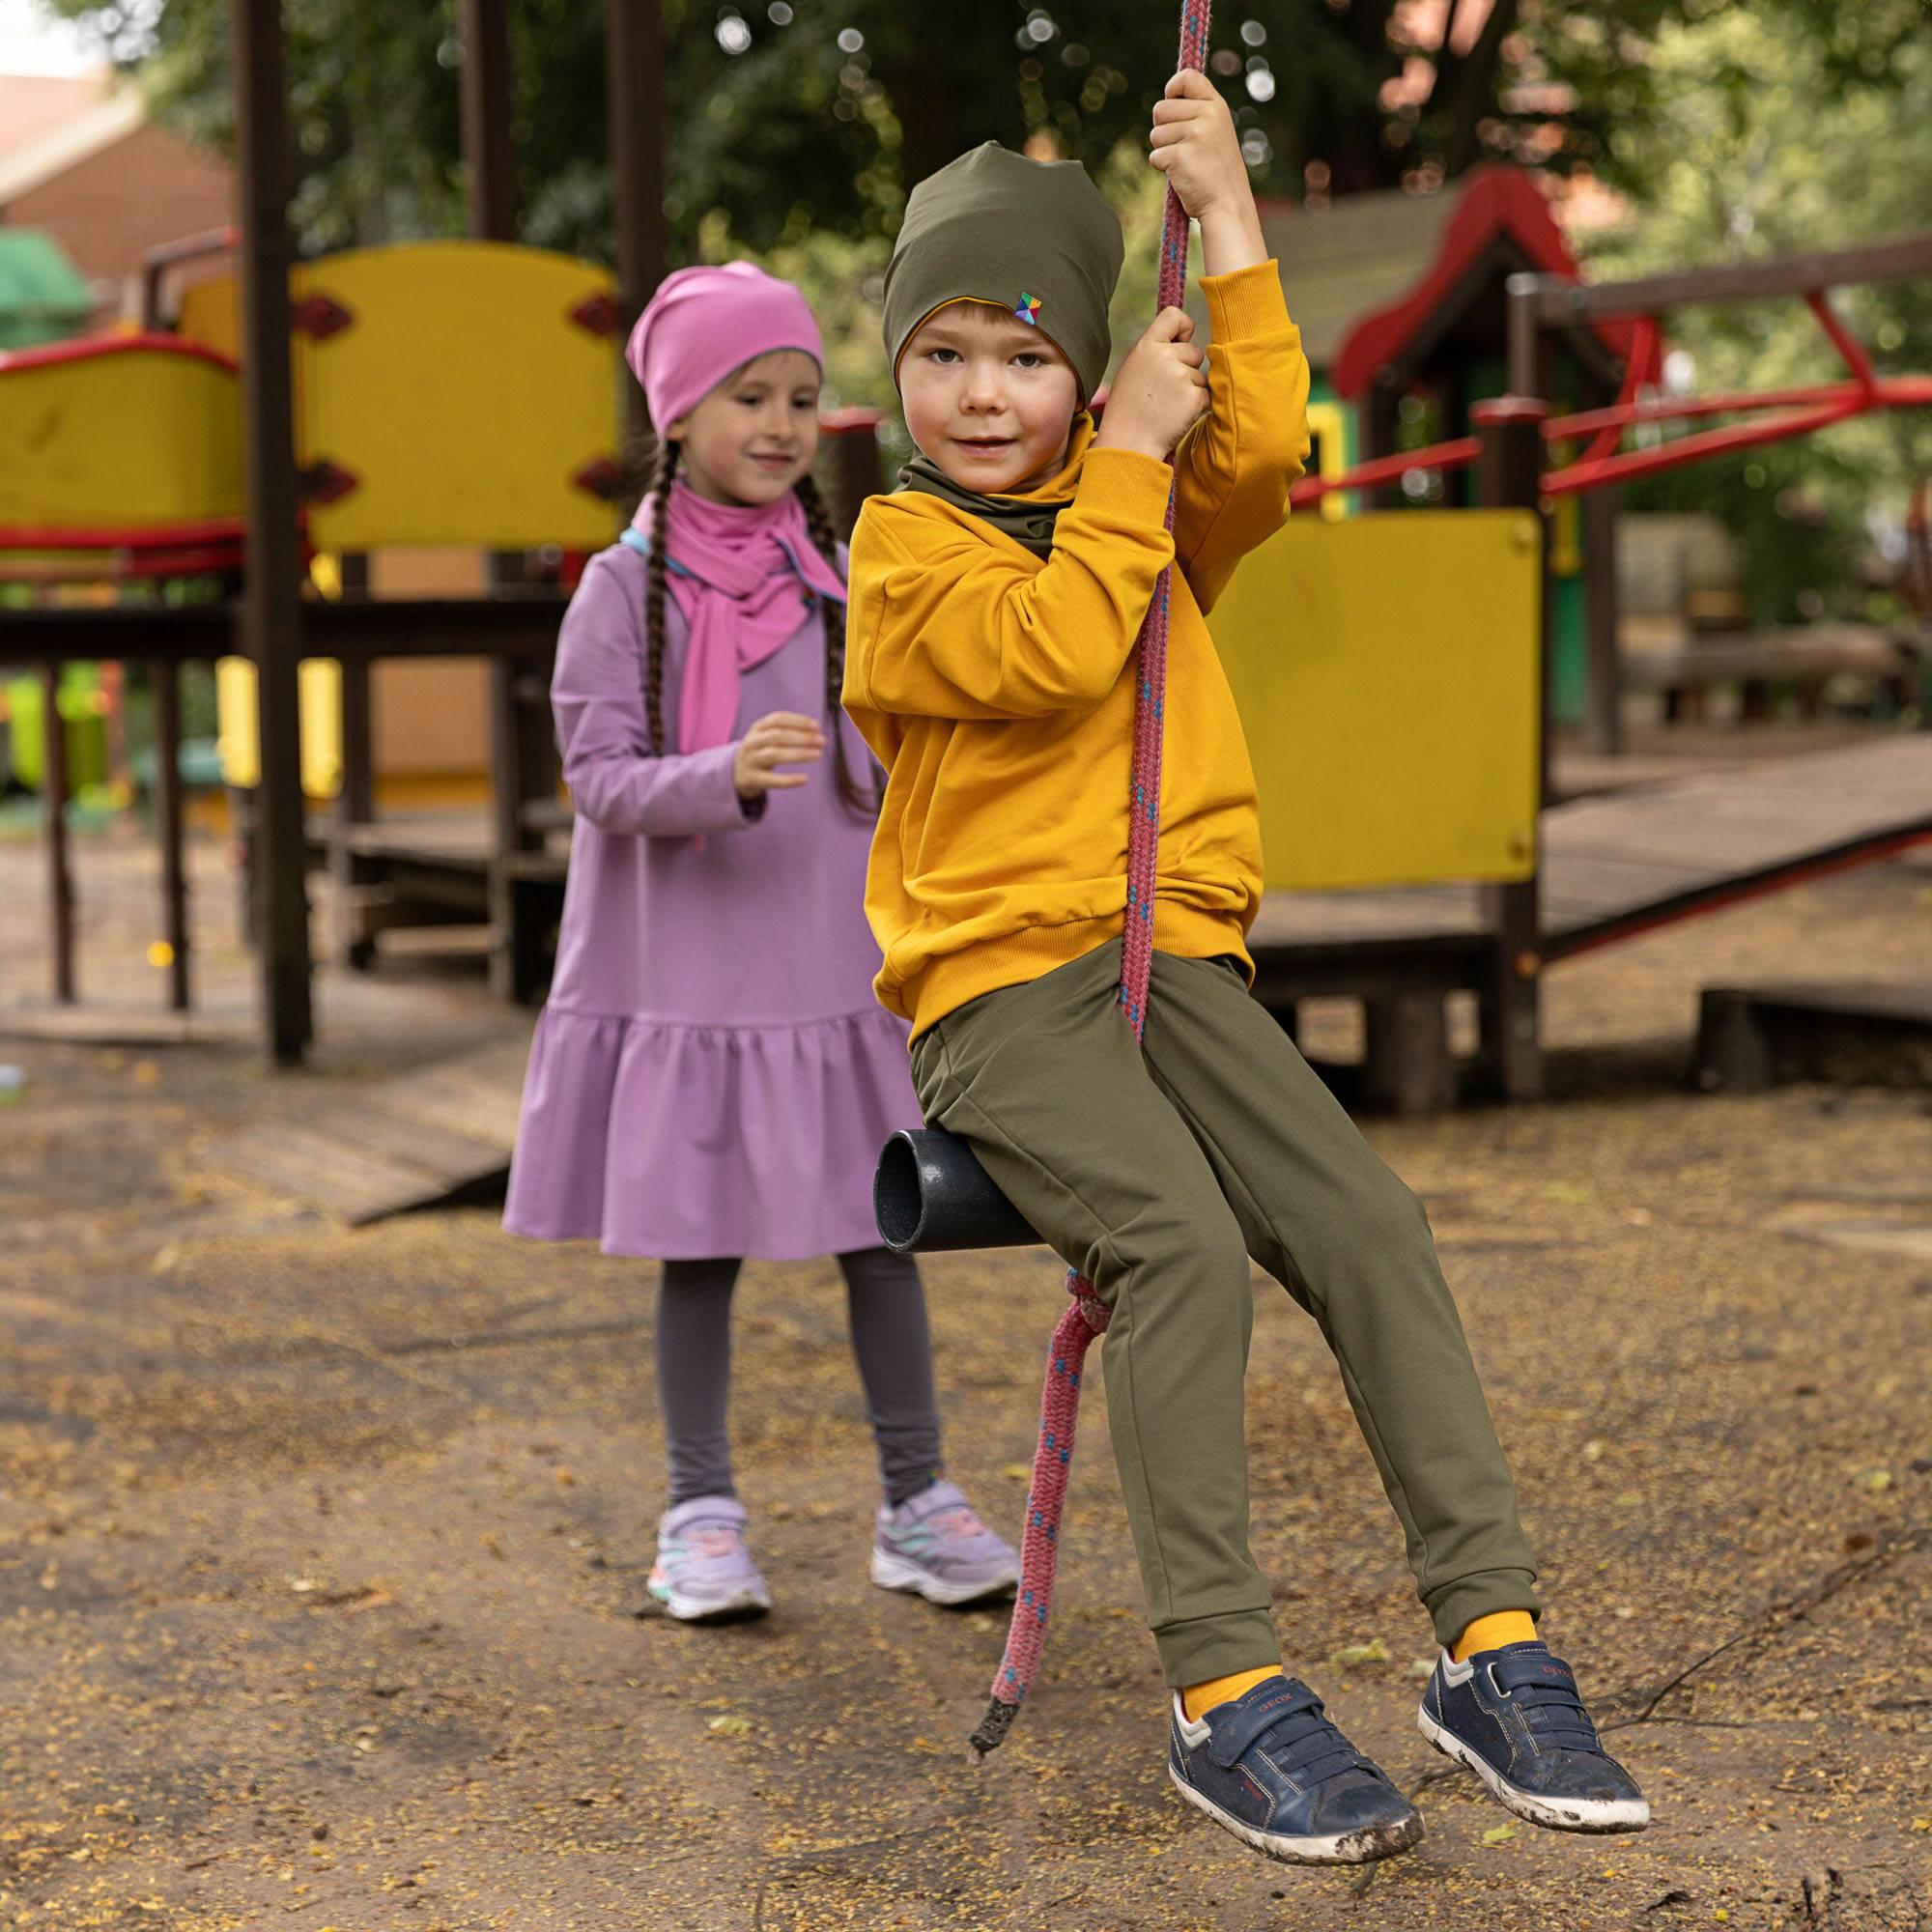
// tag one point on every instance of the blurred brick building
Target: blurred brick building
(80, 160)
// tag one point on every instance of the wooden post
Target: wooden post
(1407, 1066)
(355, 801)
(168, 824)
(488, 152)
(490, 159)
(1603, 722)
(53, 819)
(635, 61)
(270, 599)
(1510, 476)
(849, 463)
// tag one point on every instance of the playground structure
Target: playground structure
(329, 454)
(1447, 872)
(1401, 300)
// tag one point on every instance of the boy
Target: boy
(994, 603)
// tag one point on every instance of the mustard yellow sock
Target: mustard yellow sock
(1492, 1631)
(1198, 1699)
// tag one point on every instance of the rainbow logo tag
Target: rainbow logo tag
(1028, 309)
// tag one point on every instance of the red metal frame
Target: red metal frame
(1807, 410)
(88, 348)
(123, 536)
(1388, 469)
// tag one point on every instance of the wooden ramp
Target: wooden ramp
(1620, 866)
(1617, 865)
(383, 1146)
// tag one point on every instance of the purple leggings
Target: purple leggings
(885, 1304)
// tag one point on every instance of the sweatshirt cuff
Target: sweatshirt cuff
(1245, 302)
(1125, 485)
(719, 788)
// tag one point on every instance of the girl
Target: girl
(711, 1076)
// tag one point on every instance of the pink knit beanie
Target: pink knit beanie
(704, 323)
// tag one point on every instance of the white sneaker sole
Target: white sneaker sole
(1346, 1848)
(1559, 1814)
(750, 1602)
(894, 1573)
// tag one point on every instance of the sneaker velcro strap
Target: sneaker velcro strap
(1525, 1669)
(1258, 1711)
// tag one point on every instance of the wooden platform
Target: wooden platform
(367, 1150)
(1614, 866)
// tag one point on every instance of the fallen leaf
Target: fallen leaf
(1499, 1834)
(1016, 1473)
(728, 1726)
(1877, 1481)
(1375, 1651)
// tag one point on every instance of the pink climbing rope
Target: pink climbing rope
(1085, 1316)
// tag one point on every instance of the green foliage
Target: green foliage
(792, 116)
(1763, 143)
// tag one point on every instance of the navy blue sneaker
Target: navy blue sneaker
(1279, 1776)
(1513, 1717)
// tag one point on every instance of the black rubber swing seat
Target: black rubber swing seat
(930, 1194)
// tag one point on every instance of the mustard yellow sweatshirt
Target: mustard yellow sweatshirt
(997, 690)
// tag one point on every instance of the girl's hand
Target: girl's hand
(777, 739)
(1160, 392)
(1195, 146)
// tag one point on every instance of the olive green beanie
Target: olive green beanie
(1034, 237)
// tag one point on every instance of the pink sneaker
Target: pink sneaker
(932, 1543)
(704, 1573)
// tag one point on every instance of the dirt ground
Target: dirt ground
(324, 1559)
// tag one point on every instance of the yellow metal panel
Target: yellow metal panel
(460, 396)
(319, 688)
(1386, 670)
(211, 314)
(130, 438)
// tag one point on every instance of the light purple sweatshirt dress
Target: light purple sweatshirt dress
(711, 1074)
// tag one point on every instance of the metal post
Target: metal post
(634, 60)
(168, 824)
(270, 603)
(53, 813)
(1509, 476)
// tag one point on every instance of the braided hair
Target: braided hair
(860, 801)
(654, 595)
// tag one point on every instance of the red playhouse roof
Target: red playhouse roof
(1369, 275)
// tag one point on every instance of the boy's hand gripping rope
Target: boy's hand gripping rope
(1085, 1316)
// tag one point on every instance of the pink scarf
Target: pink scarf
(743, 577)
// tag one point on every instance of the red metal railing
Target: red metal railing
(1806, 410)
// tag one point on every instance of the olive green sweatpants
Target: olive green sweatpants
(1156, 1170)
